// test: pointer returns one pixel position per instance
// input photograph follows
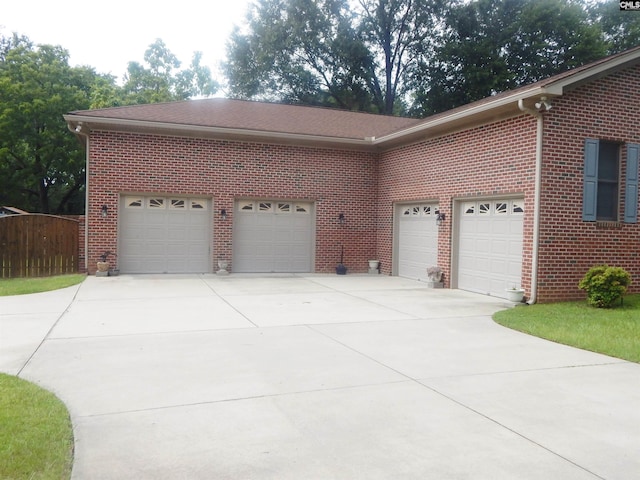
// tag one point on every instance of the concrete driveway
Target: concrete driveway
(316, 377)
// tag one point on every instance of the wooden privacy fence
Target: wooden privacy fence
(37, 245)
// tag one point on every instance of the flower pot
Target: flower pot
(435, 277)
(341, 269)
(515, 294)
(222, 267)
(103, 266)
(374, 264)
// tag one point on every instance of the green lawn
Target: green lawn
(21, 286)
(36, 438)
(612, 331)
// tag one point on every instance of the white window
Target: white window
(245, 206)
(133, 202)
(501, 208)
(302, 208)
(284, 207)
(197, 204)
(177, 204)
(265, 207)
(469, 208)
(518, 207)
(155, 202)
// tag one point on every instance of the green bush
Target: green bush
(604, 285)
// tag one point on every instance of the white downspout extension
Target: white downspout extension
(536, 201)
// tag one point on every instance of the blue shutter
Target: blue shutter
(631, 185)
(590, 186)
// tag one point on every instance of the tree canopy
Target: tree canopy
(42, 165)
(353, 55)
(415, 57)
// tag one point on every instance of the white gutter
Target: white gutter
(536, 201)
(79, 131)
(461, 114)
(220, 131)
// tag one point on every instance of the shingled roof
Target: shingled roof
(258, 117)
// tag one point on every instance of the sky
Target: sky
(108, 35)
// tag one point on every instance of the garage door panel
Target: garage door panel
(272, 236)
(491, 233)
(163, 235)
(515, 249)
(417, 240)
(482, 226)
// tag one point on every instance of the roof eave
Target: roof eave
(482, 113)
(221, 133)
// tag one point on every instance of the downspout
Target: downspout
(79, 131)
(536, 200)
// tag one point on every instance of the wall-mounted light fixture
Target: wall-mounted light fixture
(341, 219)
(440, 218)
(104, 211)
(543, 104)
(223, 214)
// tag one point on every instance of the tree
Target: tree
(491, 46)
(621, 28)
(330, 52)
(41, 163)
(161, 81)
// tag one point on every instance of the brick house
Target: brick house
(529, 187)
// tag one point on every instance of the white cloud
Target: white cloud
(108, 35)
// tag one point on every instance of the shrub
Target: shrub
(604, 285)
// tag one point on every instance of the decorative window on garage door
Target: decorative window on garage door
(248, 206)
(133, 202)
(498, 207)
(420, 210)
(304, 208)
(197, 204)
(156, 202)
(177, 204)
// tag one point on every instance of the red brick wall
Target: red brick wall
(568, 245)
(491, 160)
(337, 181)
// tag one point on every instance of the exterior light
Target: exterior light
(104, 211)
(223, 214)
(341, 219)
(440, 218)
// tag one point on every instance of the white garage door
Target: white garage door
(417, 240)
(164, 235)
(490, 245)
(272, 236)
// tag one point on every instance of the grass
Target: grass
(21, 286)
(611, 331)
(36, 438)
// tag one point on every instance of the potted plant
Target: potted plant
(222, 267)
(103, 264)
(374, 267)
(515, 294)
(340, 268)
(434, 277)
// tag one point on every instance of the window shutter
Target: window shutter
(631, 185)
(590, 186)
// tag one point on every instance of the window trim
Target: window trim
(627, 180)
